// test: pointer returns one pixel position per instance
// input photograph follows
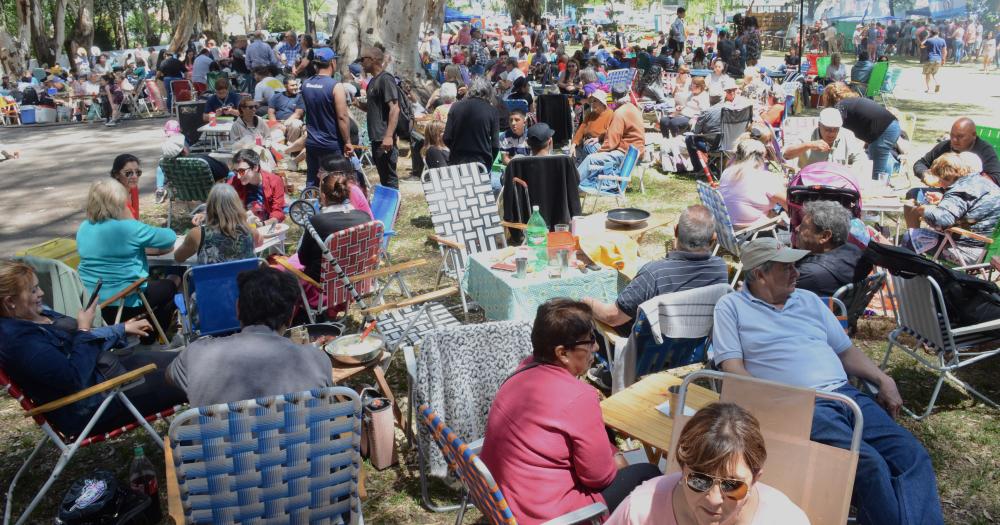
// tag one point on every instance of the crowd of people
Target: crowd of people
(292, 100)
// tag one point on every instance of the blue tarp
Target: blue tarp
(454, 15)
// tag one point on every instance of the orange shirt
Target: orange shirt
(626, 130)
(594, 127)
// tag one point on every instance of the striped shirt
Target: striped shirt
(677, 272)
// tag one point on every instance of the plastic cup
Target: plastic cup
(675, 394)
(521, 263)
(563, 258)
(561, 228)
(555, 269)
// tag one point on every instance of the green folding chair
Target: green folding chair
(875, 81)
(990, 135)
(188, 179)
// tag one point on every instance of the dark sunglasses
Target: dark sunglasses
(136, 173)
(585, 342)
(241, 171)
(733, 489)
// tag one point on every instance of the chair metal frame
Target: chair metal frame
(923, 315)
(68, 446)
(221, 456)
(478, 484)
(887, 93)
(857, 296)
(191, 331)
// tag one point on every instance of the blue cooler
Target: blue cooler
(27, 114)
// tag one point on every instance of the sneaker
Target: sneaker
(600, 376)
(160, 195)
(110, 123)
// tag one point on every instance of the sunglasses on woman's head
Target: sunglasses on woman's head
(734, 489)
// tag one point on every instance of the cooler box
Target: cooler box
(27, 114)
(64, 113)
(45, 115)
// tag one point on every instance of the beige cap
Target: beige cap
(600, 96)
(767, 249)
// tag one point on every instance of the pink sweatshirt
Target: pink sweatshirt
(545, 444)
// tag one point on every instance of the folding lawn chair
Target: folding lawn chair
(950, 241)
(818, 478)
(727, 237)
(464, 214)
(68, 445)
(213, 313)
(923, 315)
(9, 111)
(619, 182)
(450, 371)
(990, 135)
(478, 484)
(385, 208)
(889, 87)
(291, 458)
(188, 179)
(670, 331)
(735, 122)
(856, 297)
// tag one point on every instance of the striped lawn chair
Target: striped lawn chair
(464, 213)
(478, 484)
(727, 236)
(188, 179)
(613, 185)
(68, 445)
(923, 315)
(290, 458)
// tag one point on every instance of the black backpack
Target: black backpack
(404, 124)
(29, 97)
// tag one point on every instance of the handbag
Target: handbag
(378, 432)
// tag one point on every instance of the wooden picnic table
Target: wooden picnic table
(633, 411)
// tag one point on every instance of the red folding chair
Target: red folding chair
(182, 90)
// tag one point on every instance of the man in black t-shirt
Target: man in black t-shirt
(382, 107)
(171, 69)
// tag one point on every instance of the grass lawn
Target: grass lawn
(962, 436)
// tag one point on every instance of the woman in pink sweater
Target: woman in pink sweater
(545, 443)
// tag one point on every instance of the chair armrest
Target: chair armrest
(389, 270)
(972, 235)
(514, 225)
(476, 446)
(968, 267)
(447, 242)
(980, 327)
(591, 513)
(611, 177)
(411, 362)
(770, 222)
(410, 301)
(129, 290)
(283, 261)
(174, 508)
(110, 384)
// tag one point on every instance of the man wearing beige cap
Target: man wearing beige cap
(773, 331)
(828, 142)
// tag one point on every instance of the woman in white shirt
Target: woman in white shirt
(748, 189)
(684, 115)
(836, 71)
(714, 80)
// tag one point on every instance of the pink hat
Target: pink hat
(171, 128)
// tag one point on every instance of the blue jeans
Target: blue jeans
(170, 92)
(880, 151)
(959, 50)
(598, 164)
(895, 482)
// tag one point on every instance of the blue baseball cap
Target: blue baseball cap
(324, 54)
(355, 69)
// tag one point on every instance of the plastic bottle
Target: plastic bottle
(142, 479)
(212, 121)
(537, 239)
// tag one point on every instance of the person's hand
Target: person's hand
(138, 326)
(198, 219)
(387, 144)
(932, 197)
(591, 140)
(348, 150)
(888, 396)
(820, 146)
(85, 317)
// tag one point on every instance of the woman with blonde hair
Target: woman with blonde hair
(113, 247)
(750, 192)
(721, 453)
(435, 151)
(225, 235)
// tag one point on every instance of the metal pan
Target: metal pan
(628, 216)
(350, 350)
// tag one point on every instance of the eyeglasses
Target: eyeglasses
(130, 173)
(733, 489)
(590, 343)
(242, 171)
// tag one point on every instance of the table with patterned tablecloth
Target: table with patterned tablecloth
(505, 297)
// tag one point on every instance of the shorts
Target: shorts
(931, 68)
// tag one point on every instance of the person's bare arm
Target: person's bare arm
(856, 363)
(608, 314)
(189, 247)
(797, 150)
(343, 117)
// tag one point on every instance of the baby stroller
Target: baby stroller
(822, 181)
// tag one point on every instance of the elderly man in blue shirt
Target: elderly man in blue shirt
(773, 331)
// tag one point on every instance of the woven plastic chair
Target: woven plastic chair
(620, 180)
(726, 235)
(291, 458)
(856, 296)
(68, 444)
(188, 179)
(479, 485)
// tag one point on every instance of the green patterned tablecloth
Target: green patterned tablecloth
(505, 297)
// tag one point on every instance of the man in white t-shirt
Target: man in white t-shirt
(513, 73)
(266, 85)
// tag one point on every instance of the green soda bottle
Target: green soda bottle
(537, 239)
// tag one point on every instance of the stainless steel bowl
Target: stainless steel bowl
(350, 350)
(628, 216)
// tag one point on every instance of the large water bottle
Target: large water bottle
(537, 239)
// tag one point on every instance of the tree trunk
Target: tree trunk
(528, 11)
(434, 16)
(214, 20)
(184, 26)
(83, 30)
(12, 60)
(352, 15)
(48, 50)
(399, 34)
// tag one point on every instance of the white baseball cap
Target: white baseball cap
(830, 118)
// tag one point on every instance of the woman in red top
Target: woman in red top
(262, 192)
(545, 443)
(125, 170)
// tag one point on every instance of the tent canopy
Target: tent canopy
(454, 15)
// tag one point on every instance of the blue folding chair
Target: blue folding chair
(618, 183)
(385, 208)
(516, 104)
(214, 312)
